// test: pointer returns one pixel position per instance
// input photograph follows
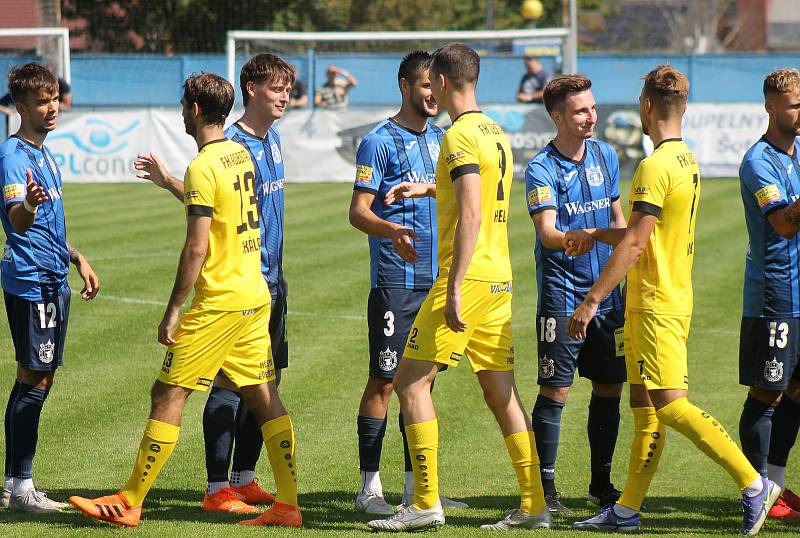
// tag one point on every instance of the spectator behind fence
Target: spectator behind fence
(64, 96)
(533, 81)
(298, 98)
(333, 94)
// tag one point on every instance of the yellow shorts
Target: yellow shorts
(486, 343)
(208, 341)
(655, 350)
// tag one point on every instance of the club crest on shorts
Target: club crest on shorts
(773, 370)
(46, 352)
(387, 360)
(547, 367)
(594, 176)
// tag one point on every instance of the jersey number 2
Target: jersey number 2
(248, 185)
(502, 154)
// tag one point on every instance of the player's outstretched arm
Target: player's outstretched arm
(611, 236)
(21, 216)
(637, 235)
(193, 256)
(786, 221)
(468, 199)
(91, 284)
(150, 167)
(363, 218)
(408, 189)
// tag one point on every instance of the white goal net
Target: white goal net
(48, 46)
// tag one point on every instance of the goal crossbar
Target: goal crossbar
(63, 43)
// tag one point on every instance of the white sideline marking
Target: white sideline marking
(133, 300)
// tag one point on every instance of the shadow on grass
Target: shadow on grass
(333, 511)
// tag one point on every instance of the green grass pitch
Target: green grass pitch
(94, 417)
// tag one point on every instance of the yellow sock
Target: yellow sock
(522, 449)
(423, 445)
(279, 438)
(157, 444)
(710, 437)
(649, 437)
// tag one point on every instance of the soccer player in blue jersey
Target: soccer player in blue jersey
(402, 242)
(266, 81)
(769, 346)
(573, 183)
(34, 272)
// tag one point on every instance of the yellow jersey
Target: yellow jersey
(476, 144)
(667, 185)
(220, 183)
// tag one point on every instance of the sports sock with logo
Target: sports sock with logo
(24, 429)
(219, 422)
(157, 444)
(785, 425)
(522, 449)
(248, 445)
(755, 427)
(710, 437)
(547, 429)
(649, 437)
(602, 429)
(9, 416)
(423, 444)
(279, 437)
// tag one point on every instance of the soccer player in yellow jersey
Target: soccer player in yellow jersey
(226, 326)
(656, 251)
(467, 314)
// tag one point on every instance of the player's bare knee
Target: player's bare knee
(558, 394)
(607, 390)
(221, 381)
(639, 396)
(40, 380)
(167, 401)
(793, 390)
(767, 396)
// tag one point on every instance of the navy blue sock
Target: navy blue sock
(406, 454)
(755, 426)
(602, 429)
(785, 425)
(25, 429)
(547, 428)
(12, 398)
(249, 441)
(370, 441)
(219, 423)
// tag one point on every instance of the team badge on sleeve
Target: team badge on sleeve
(363, 173)
(454, 157)
(641, 190)
(12, 191)
(767, 195)
(539, 195)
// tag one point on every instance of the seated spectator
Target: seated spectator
(533, 81)
(299, 96)
(333, 94)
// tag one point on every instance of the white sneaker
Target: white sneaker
(5, 497)
(517, 519)
(373, 503)
(409, 518)
(35, 502)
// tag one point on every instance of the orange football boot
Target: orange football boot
(225, 501)
(279, 515)
(791, 499)
(111, 508)
(252, 493)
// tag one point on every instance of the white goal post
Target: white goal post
(320, 40)
(59, 58)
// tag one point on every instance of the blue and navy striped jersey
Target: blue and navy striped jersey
(267, 156)
(388, 155)
(581, 193)
(35, 264)
(770, 180)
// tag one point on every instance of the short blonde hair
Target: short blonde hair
(666, 86)
(781, 81)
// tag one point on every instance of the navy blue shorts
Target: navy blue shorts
(39, 329)
(600, 358)
(390, 314)
(277, 329)
(768, 352)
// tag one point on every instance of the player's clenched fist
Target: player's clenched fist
(577, 243)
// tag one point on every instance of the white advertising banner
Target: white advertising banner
(320, 145)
